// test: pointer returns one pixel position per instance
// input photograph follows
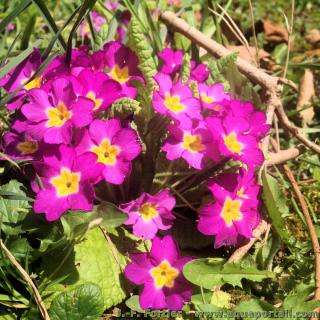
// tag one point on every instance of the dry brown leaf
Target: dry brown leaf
(313, 37)
(306, 92)
(274, 33)
(265, 59)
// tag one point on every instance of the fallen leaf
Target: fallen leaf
(313, 37)
(265, 59)
(306, 92)
(274, 33)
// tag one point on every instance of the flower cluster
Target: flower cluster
(59, 124)
(209, 126)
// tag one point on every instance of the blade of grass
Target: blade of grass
(16, 60)
(9, 50)
(4, 156)
(54, 39)
(22, 6)
(84, 10)
(50, 21)
(27, 32)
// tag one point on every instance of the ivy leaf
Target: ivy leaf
(84, 302)
(13, 211)
(209, 273)
(277, 207)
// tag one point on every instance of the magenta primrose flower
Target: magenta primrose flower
(172, 60)
(213, 96)
(98, 87)
(150, 213)
(234, 214)
(192, 144)
(19, 76)
(160, 273)
(53, 114)
(231, 135)
(97, 21)
(199, 73)
(175, 100)
(120, 63)
(21, 146)
(114, 146)
(67, 181)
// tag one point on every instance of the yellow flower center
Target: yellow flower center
(231, 211)
(148, 211)
(86, 28)
(164, 275)
(206, 99)
(35, 83)
(192, 143)
(97, 102)
(240, 194)
(106, 152)
(27, 147)
(120, 75)
(66, 183)
(232, 143)
(58, 116)
(173, 103)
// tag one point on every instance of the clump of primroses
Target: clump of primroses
(61, 124)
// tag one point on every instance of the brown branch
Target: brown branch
(272, 85)
(284, 155)
(310, 226)
(242, 251)
(25, 275)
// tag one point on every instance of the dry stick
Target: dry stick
(306, 214)
(284, 155)
(242, 251)
(25, 275)
(254, 33)
(271, 84)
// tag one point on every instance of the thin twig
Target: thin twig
(25, 275)
(290, 29)
(271, 84)
(242, 251)
(112, 248)
(308, 219)
(284, 155)
(254, 33)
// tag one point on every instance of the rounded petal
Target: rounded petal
(164, 249)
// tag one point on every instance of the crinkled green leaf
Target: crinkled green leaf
(85, 303)
(209, 273)
(185, 68)
(277, 208)
(92, 260)
(13, 211)
(102, 35)
(124, 107)
(147, 65)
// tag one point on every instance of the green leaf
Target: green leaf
(277, 208)
(111, 215)
(92, 261)
(221, 299)
(133, 304)
(101, 36)
(85, 303)
(209, 273)
(13, 212)
(254, 306)
(22, 6)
